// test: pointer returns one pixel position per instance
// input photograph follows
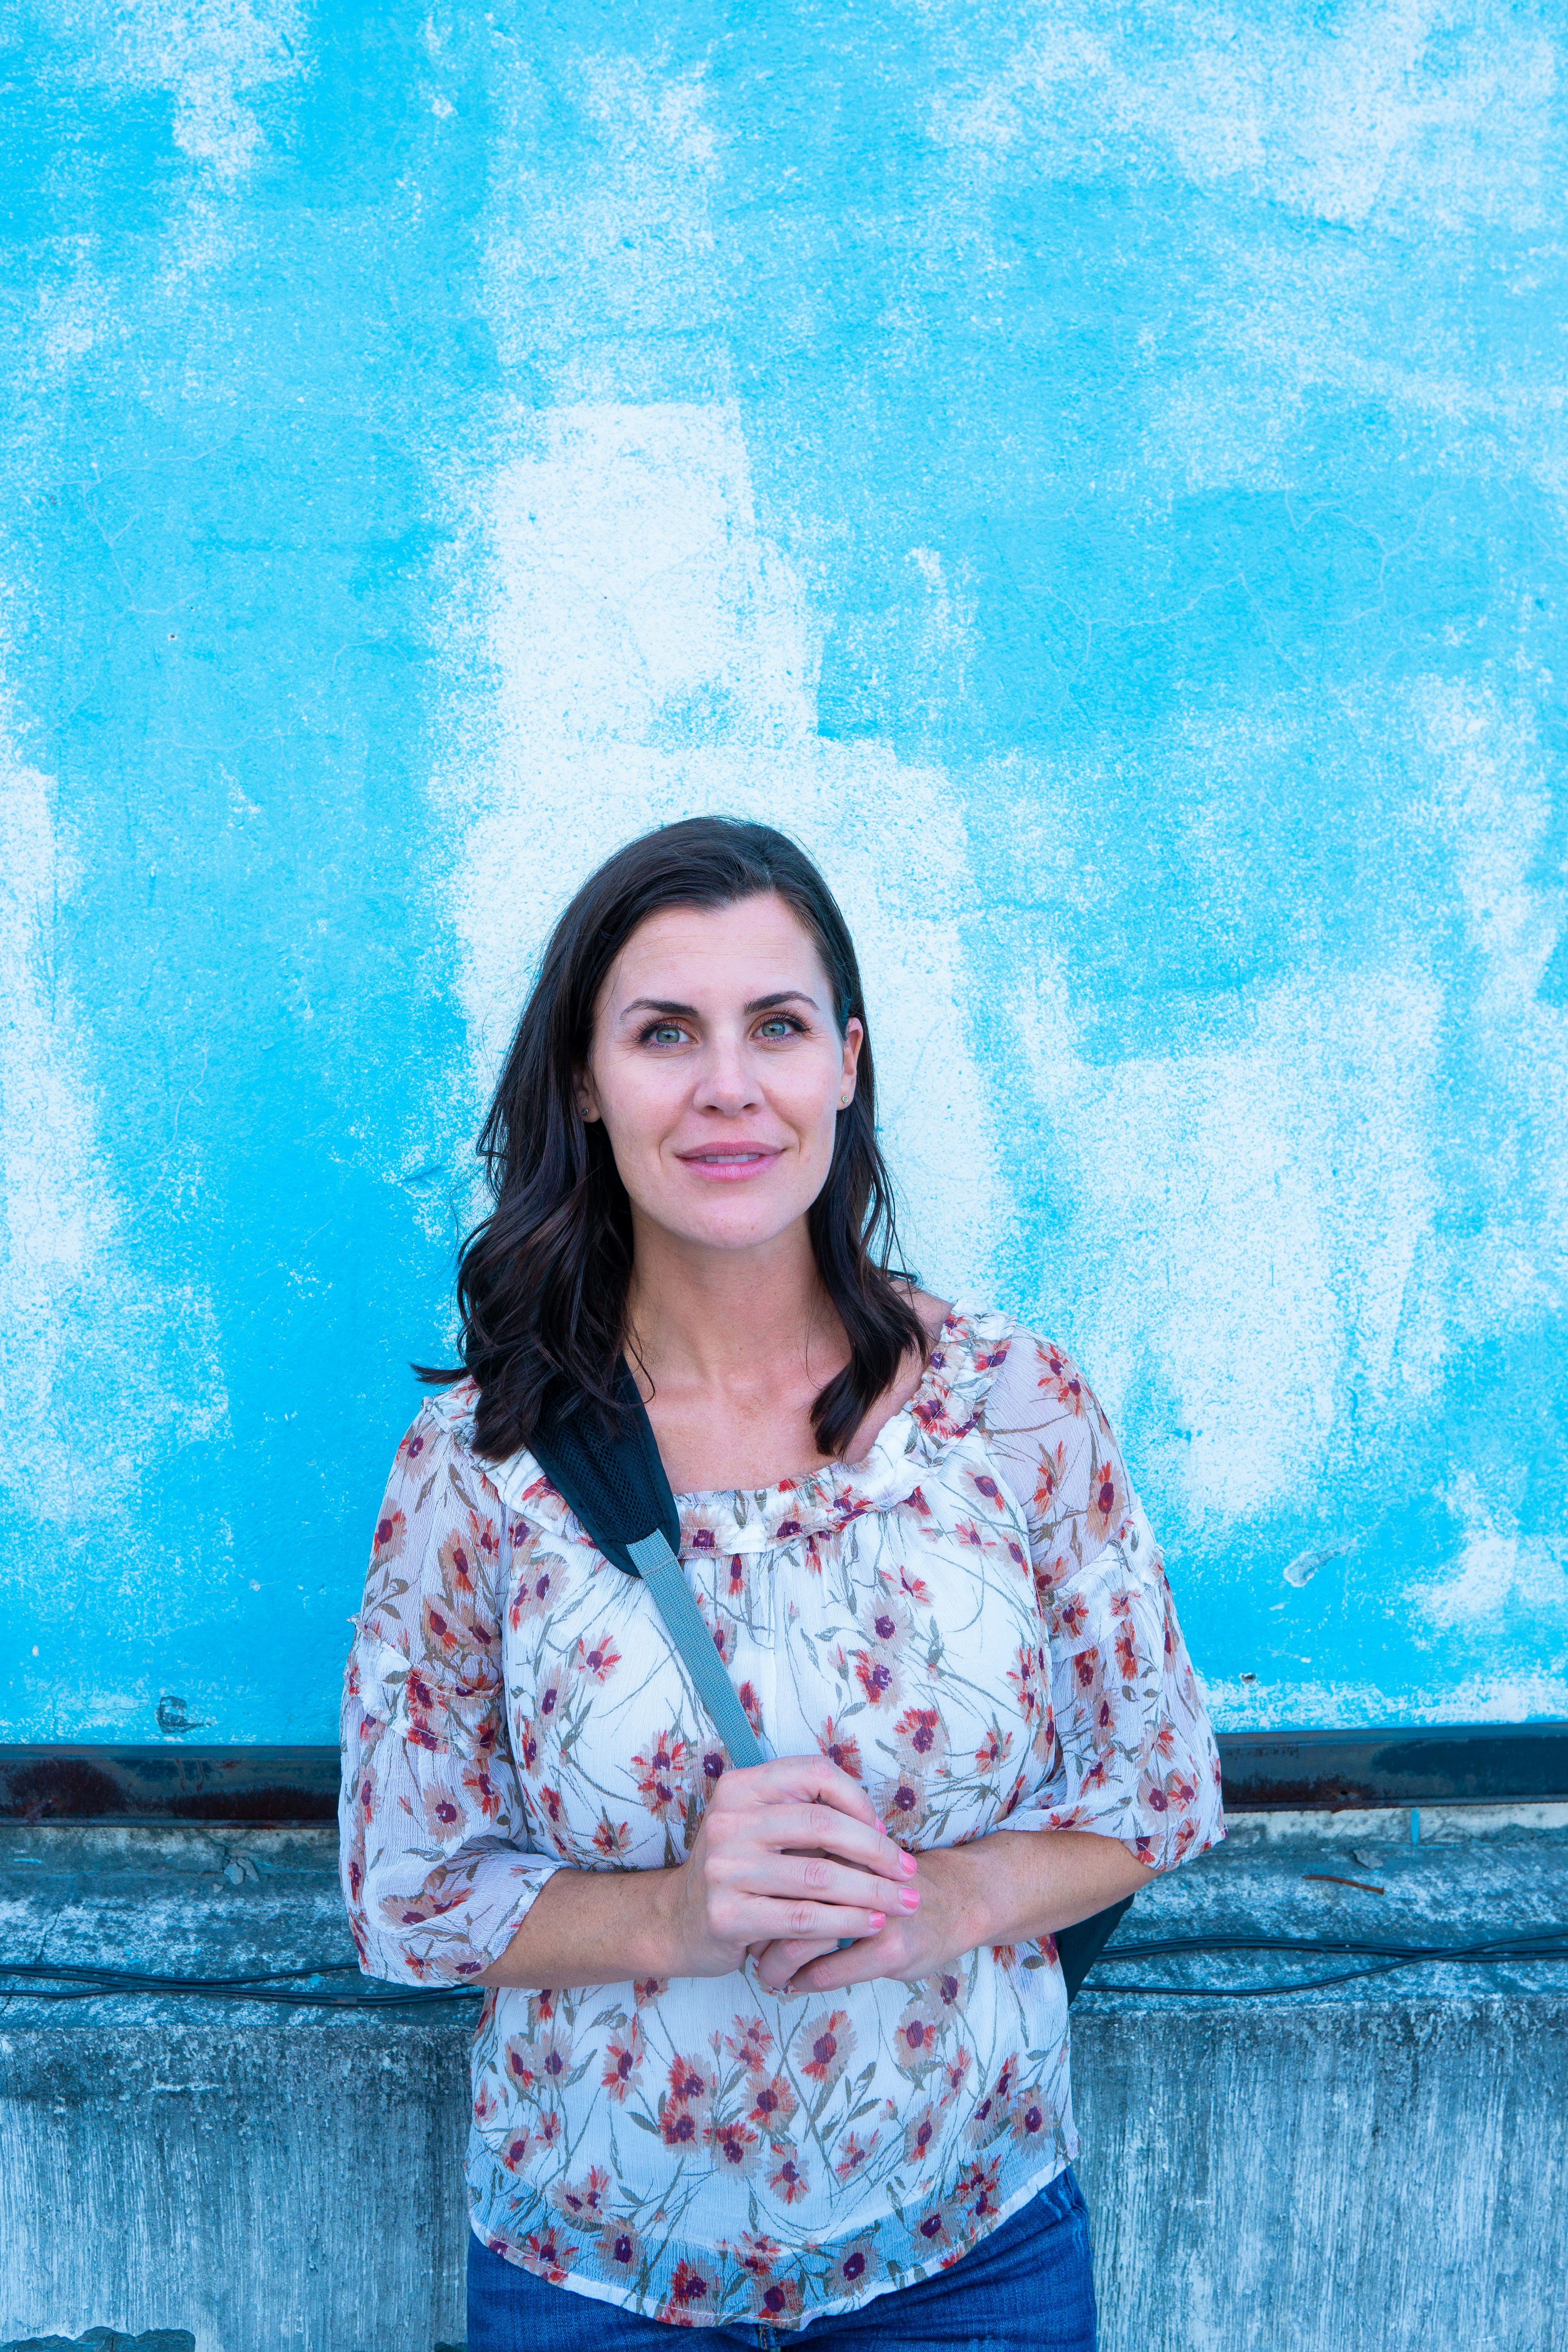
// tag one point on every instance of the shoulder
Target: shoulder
(1039, 1408)
(439, 1438)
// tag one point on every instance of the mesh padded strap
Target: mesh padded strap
(693, 1643)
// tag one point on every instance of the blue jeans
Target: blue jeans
(1028, 2287)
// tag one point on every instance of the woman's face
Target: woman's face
(719, 1072)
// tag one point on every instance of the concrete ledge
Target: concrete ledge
(1381, 2165)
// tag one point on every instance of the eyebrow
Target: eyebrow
(690, 1012)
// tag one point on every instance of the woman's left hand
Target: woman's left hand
(910, 1946)
(1010, 1887)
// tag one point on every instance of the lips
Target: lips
(731, 1162)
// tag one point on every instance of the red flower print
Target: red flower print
(878, 1678)
(901, 1802)
(920, 2136)
(688, 2285)
(477, 1782)
(1127, 1655)
(931, 2228)
(1060, 1377)
(690, 2081)
(854, 2154)
(390, 1531)
(1106, 1500)
(600, 1659)
(916, 2036)
(772, 2107)
(979, 2190)
(779, 2301)
(858, 2266)
(548, 2255)
(412, 1447)
(622, 2060)
(1033, 2117)
(443, 1811)
(759, 2255)
(582, 2203)
(662, 1774)
(841, 1747)
(1069, 1618)
(992, 1749)
(789, 2181)
(732, 2147)
(514, 2153)
(956, 2070)
(649, 1989)
(531, 1594)
(824, 2045)
(749, 2043)
(920, 1737)
(609, 1840)
(458, 1565)
(679, 2126)
(620, 2247)
(752, 1706)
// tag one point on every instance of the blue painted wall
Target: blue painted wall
(1095, 472)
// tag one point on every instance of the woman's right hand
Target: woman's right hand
(790, 1849)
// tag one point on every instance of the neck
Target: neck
(724, 1320)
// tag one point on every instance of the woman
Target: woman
(786, 2047)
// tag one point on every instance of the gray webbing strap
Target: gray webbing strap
(693, 1643)
(660, 1572)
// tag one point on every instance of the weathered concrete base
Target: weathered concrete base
(1379, 2167)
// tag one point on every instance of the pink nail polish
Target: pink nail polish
(909, 1898)
(878, 1919)
(908, 1864)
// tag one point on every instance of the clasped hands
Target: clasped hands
(788, 1860)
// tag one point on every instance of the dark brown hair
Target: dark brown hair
(541, 1281)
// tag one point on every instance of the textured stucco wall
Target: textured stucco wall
(1096, 472)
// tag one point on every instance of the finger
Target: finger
(777, 1963)
(806, 1828)
(770, 1920)
(821, 1880)
(812, 1779)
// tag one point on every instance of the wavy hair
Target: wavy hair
(543, 1280)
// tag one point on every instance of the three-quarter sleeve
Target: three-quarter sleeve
(1133, 1755)
(434, 1859)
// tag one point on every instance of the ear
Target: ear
(586, 1095)
(853, 1033)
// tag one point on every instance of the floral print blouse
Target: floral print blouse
(973, 1621)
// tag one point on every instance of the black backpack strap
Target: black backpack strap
(615, 1482)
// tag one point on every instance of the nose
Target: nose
(726, 1084)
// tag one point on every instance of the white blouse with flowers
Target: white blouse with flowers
(973, 1621)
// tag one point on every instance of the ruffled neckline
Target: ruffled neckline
(966, 1354)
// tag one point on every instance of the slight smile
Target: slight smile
(728, 1163)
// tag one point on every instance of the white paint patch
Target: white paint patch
(211, 56)
(1249, 1222)
(657, 658)
(1374, 112)
(85, 1335)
